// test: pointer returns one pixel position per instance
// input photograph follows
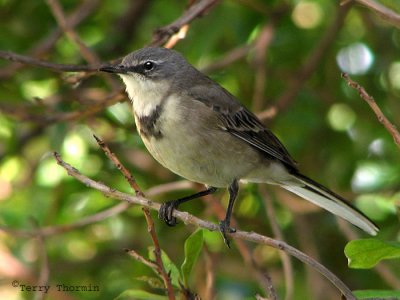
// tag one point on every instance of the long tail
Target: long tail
(321, 196)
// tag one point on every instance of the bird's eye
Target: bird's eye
(148, 66)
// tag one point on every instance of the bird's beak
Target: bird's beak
(113, 69)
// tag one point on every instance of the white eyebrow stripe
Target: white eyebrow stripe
(152, 60)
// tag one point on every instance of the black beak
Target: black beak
(119, 69)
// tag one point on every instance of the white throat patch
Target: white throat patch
(145, 94)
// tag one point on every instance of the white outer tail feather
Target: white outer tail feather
(326, 199)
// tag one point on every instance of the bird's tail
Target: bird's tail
(323, 197)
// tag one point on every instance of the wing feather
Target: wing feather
(244, 125)
(240, 122)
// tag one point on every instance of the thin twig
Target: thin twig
(260, 274)
(59, 15)
(180, 35)
(162, 35)
(208, 285)
(141, 259)
(44, 266)
(286, 260)
(27, 113)
(150, 224)
(53, 230)
(375, 108)
(46, 44)
(97, 217)
(128, 176)
(190, 219)
(261, 45)
(318, 288)
(157, 253)
(385, 13)
(229, 57)
(48, 65)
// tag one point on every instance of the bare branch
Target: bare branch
(8, 55)
(150, 224)
(157, 253)
(285, 258)
(44, 45)
(141, 259)
(26, 113)
(43, 277)
(385, 13)
(208, 284)
(163, 34)
(259, 273)
(190, 219)
(128, 176)
(59, 15)
(375, 108)
(229, 58)
(52, 230)
(107, 213)
(260, 46)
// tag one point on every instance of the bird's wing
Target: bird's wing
(245, 125)
(241, 123)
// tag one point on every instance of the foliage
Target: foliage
(366, 253)
(283, 60)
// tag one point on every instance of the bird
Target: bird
(198, 130)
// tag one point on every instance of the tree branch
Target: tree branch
(128, 176)
(59, 15)
(375, 108)
(79, 14)
(163, 34)
(157, 253)
(187, 218)
(97, 217)
(150, 224)
(385, 13)
(141, 259)
(8, 55)
(285, 258)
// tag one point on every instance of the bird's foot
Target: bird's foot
(224, 227)
(165, 213)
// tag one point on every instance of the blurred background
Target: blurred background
(282, 59)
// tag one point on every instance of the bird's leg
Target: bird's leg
(224, 225)
(167, 208)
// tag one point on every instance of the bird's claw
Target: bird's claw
(225, 228)
(165, 213)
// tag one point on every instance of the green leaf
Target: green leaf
(139, 295)
(377, 294)
(366, 253)
(169, 266)
(193, 245)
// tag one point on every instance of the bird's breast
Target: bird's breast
(185, 139)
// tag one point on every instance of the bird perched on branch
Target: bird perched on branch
(197, 129)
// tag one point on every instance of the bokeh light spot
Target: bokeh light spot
(307, 14)
(49, 173)
(38, 88)
(81, 250)
(341, 117)
(394, 75)
(355, 59)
